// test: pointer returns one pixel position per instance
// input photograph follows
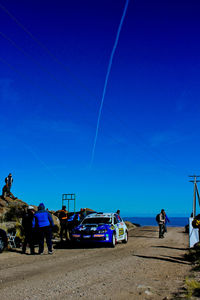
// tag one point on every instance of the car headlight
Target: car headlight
(102, 231)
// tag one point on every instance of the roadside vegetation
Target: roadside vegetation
(193, 282)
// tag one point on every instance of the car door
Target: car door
(116, 225)
(120, 227)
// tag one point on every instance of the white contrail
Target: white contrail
(106, 79)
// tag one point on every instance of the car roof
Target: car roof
(100, 215)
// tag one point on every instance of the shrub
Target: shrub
(193, 288)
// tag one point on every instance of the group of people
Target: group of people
(162, 223)
(6, 191)
(37, 225)
(69, 221)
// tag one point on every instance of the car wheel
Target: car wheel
(125, 240)
(2, 245)
(113, 243)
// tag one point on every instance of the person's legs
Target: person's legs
(48, 236)
(31, 243)
(66, 233)
(41, 239)
(25, 243)
(161, 230)
(61, 232)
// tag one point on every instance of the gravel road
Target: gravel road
(145, 268)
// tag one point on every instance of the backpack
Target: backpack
(158, 218)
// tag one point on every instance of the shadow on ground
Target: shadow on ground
(142, 236)
(149, 230)
(167, 247)
(172, 259)
(74, 245)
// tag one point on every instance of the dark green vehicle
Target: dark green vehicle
(3, 240)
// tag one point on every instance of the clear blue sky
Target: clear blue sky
(53, 61)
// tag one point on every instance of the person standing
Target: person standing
(9, 181)
(83, 214)
(63, 223)
(27, 221)
(43, 223)
(161, 224)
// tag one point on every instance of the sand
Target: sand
(145, 268)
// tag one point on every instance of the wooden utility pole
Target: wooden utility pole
(196, 192)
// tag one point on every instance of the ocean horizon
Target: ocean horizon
(151, 221)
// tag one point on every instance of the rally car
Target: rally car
(101, 228)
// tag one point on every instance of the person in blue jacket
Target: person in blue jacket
(166, 221)
(43, 223)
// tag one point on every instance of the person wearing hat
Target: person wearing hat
(43, 224)
(28, 230)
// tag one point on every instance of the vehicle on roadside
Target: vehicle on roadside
(3, 240)
(106, 228)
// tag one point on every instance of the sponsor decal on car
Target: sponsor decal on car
(76, 235)
(98, 235)
(121, 231)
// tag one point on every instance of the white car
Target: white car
(101, 228)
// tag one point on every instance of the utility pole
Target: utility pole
(195, 192)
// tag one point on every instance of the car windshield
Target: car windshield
(97, 221)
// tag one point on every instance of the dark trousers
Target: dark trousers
(63, 229)
(45, 232)
(29, 239)
(161, 230)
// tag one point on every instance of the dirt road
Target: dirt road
(145, 268)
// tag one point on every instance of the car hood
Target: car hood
(91, 227)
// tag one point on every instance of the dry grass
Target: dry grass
(193, 288)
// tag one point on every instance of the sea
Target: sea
(146, 221)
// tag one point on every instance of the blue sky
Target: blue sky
(53, 60)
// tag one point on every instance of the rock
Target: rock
(11, 209)
(8, 226)
(148, 293)
(130, 225)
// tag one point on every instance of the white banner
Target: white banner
(193, 234)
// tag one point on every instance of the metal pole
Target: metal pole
(195, 192)
(194, 198)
